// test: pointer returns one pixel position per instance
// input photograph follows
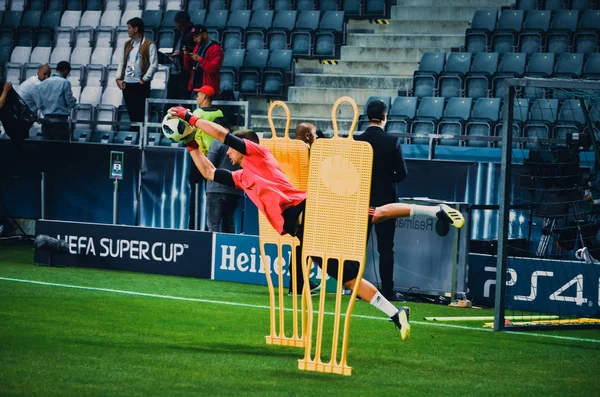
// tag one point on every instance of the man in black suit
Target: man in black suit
(389, 168)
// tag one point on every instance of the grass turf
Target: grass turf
(76, 342)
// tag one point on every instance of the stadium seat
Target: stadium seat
(77, 75)
(261, 5)
(111, 18)
(176, 5)
(102, 56)
(283, 5)
(554, 4)
(81, 55)
(278, 74)
(586, 39)
(196, 5)
(70, 19)
(166, 40)
(160, 79)
(582, 5)
(591, 69)
(31, 69)
(375, 8)
(238, 5)
(43, 37)
(400, 115)
(570, 119)
(105, 113)
(569, 66)
(12, 19)
(91, 18)
(511, 65)
(121, 37)
(31, 19)
(126, 138)
(216, 20)
(539, 65)
(152, 18)
(153, 5)
(104, 137)
(477, 36)
(14, 73)
(305, 5)
(261, 22)
(133, 5)
(484, 117)
(558, 39)
(129, 14)
(41, 54)
(51, 19)
(83, 37)
(95, 76)
(363, 121)
(456, 113)
(531, 38)
(352, 8)
(36, 5)
(25, 37)
(55, 5)
(301, 38)
(104, 37)
(217, 5)
(424, 79)
(232, 63)
(112, 96)
(250, 74)
(63, 37)
(91, 95)
(111, 76)
(169, 22)
(283, 25)
(478, 81)
(429, 113)
(7, 37)
(93, 5)
(76, 93)
(75, 5)
(20, 55)
(504, 38)
(450, 82)
(329, 35)
(233, 34)
(542, 116)
(520, 114)
(5, 54)
(83, 131)
(60, 54)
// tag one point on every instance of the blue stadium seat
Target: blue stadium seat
(238, 5)
(401, 114)
(582, 5)
(261, 22)
(520, 114)
(353, 8)
(375, 8)
(74, 5)
(456, 113)
(55, 5)
(531, 38)
(261, 5)
(152, 18)
(283, 5)
(197, 16)
(43, 37)
(539, 65)
(250, 74)
(51, 19)
(31, 19)
(166, 40)
(25, 37)
(216, 21)
(484, 117)
(214, 5)
(154, 138)
(232, 63)
(542, 116)
(302, 37)
(329, 35)
(527, 4)
(233, 34)
(429, 113)
(196, 5)
(305, 5)
(329, 5)
(126, 138)
(563, 25)
(569, 66)
(591, 69)
(7, 37)
(511, 65)
(477, 36)
(363, 121)
(450, 82)
(12, 19)
(5, 55)
(424, 79)
(509, 25)
(278, 74)
(283, 25)
(477, 81)
(570, 119)
(36, 5)
(586, 39)
(555, 4)
(93, 5)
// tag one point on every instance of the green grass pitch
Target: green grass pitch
(61, 341)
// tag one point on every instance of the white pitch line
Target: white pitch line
(180, 298)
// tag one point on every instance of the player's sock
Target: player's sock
(384, 305)
(427, 210)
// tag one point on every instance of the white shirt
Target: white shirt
(133, 71)
(24, 92)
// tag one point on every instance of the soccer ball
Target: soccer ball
(175, 128)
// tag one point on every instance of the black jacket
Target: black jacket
(389, 166)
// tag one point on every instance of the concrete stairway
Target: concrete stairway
(376, 60)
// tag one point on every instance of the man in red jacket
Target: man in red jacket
(204, 62)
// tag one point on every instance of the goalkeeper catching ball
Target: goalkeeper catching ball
(282, 204)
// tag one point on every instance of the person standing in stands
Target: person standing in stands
(205, 111)
(54, 100)
(25, 89)
(306, 132)
(204, 61)
(177, 87)
(136, 69)
(389, 168)
(221, 200)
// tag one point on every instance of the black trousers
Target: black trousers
(220, 211)
(385, 247)
(56, 127)
(294, 225)
(177, 87)
(135, 95)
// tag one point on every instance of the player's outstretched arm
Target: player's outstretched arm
(206, 168)
(212, 129)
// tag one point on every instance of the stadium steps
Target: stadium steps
(374, 82)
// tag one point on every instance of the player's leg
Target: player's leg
(401, 210)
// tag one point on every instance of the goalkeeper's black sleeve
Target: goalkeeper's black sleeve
(224, 177)
(235, 142)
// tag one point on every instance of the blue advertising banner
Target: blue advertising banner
(137, 249)
(237, 258)
(538, 285)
